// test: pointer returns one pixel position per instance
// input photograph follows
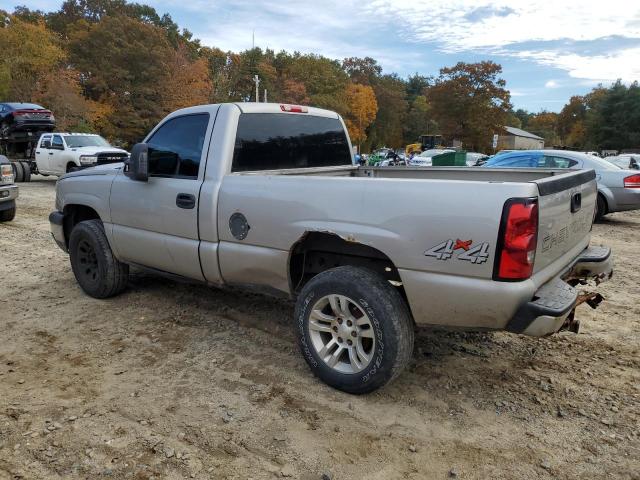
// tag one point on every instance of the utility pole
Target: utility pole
(257, 80)
(265, 95)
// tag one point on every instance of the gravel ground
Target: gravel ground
(172, 380)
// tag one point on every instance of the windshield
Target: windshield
(78, 141)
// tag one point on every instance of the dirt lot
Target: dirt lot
(172, 380)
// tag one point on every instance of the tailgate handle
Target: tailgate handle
(576, 202)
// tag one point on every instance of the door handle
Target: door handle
(50, 153)
(186, 200)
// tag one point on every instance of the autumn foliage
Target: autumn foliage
(117, 68)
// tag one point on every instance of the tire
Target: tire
(374, 320)
(71, 167)
(26, 171)
(8, 215)
(18, 172)
(97, 271)
(601, 208)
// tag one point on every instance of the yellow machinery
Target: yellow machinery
(427, 142)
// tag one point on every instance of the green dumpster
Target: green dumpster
(450, 159)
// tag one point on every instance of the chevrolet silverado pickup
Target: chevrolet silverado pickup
(265, 195)
(8, 191)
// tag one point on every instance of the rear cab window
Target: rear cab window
(279, 141)
(43, 139)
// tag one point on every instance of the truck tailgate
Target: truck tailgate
(566, 206)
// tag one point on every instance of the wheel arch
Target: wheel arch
(74, 214)
(316, 252)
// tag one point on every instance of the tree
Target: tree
(388, 127)
(572, 113)
(362, 109)
(363, 71)
(122, 62)
(470, 103)
(61, 92)
(418, 121)
(545, 125)
(29, 52)
(187, 82)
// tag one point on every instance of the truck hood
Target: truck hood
(95, 150)
(107, 169)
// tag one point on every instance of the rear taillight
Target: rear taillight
(632, 182)
(293, 108)
(517, 240)
(18, 113)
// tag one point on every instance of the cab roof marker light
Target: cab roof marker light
(293, 108)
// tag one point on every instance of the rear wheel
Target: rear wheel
(18, 172)
(26, 171)
(96, 270)
(354, 329)
(601, 207)
(7, 215)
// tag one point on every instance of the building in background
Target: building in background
(516, 139)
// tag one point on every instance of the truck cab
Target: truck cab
(60, 153)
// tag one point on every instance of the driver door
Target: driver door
(56, 156)
(155, 223)
(43, 158)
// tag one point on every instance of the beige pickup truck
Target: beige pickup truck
(265, 195)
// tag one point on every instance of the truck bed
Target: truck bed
(471, 174)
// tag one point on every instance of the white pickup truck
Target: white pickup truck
(266, 195)
(60, 153)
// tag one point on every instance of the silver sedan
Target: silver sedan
(618, 188)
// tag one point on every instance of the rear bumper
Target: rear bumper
(56, 222)
(553, 304)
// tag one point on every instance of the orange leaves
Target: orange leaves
(362, 109)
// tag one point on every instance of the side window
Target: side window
(558, 162)
(176, 147)
(45, 142)
(520, 161)
(57, 142)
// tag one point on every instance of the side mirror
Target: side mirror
(136, 167)
(46, 144)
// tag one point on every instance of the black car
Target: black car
(25, 117)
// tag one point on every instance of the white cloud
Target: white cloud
(499, 26)
(622, 64)
(551, 84)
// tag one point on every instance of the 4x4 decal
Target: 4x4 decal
(445, 250)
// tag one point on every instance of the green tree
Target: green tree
(470, 103)
(123, 62)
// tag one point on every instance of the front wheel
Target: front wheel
(96, 270)
(354, 329)
(7, 215)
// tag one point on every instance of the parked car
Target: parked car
(625, 161)
(618, 189)
(266, 195)
(474, 159)
(24, 117)
(60, 153)
(8, 191)
(425, 159)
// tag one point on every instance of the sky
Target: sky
(549, 50)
